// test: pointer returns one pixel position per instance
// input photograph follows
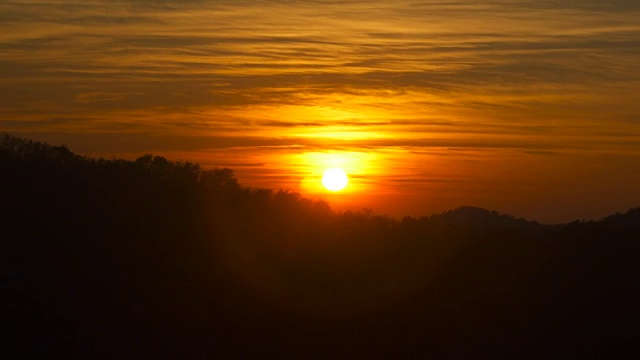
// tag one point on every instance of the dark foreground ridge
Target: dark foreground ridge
(158, 259)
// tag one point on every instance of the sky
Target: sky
(526, 107)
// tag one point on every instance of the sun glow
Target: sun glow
(313, 165)
(335, 179)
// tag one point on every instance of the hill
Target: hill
(154, 258)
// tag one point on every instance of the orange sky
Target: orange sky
(526, 107)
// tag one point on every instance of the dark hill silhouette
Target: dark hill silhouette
(155, 258)
(483, 218)
(630, 219)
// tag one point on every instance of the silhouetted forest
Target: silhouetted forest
(159, 259)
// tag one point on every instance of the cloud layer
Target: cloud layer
(539, 77)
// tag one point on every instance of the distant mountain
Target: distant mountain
(630, 219)
(482, 218)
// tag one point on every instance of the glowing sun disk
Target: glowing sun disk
(335, 179)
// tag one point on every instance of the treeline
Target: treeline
(155, 258)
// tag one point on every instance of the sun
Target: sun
(335, 179)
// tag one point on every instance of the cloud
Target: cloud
(395, 70)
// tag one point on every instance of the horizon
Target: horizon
(344, 210)
(525, 108)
